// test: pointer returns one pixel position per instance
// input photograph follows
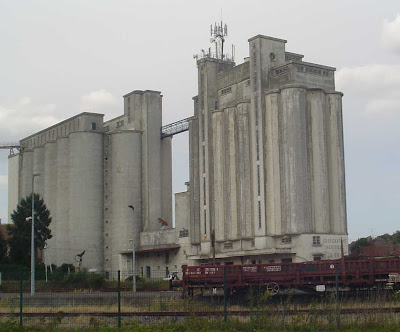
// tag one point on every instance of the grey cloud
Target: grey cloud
(391, 34)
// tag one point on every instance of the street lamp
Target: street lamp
(133, 254)
(33, 237)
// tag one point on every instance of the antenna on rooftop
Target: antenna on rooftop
(218, 33)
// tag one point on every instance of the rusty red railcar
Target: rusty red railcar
(353, 274)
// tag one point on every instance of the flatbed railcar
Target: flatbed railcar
(351, 274)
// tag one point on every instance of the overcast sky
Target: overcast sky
(59, 58)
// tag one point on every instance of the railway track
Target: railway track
(319, 312)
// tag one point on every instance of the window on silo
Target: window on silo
(93, 126)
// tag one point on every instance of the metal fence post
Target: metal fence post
(337, 281)
(119, 299)
(225, 296)
(20, 300)
(337, 296)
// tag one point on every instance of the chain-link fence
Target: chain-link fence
(81, 299)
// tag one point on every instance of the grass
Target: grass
(264, 314)
(207, 325)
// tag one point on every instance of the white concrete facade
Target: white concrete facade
(267, 158)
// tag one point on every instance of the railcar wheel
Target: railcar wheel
(273, 288)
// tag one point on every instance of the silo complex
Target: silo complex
(68, 156)
(269, 173)
(266, 169)
(91, 172)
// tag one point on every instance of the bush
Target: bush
(82, 280)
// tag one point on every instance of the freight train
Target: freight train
(345, 273)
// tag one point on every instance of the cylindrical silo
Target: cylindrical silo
(296, 208)
(50, 195)
(337, 187)
(86, 196)
(219, 175)
(65, 254)
(243, 171)
(319, 183)
(273, 186)
(26, 174)
(126, 182)
(38, 167)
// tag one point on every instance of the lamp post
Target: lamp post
(33, 237)
(133, 255)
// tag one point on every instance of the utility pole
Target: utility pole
(133, 253)
(33, 236)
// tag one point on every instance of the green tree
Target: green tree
(396, 237)
(361, 242)
(20, 233)
(3, 249)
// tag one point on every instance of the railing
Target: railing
(175, 128)
(210, 55)
(9, 145)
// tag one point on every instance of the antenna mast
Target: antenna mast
(219, 31)
(218, 34)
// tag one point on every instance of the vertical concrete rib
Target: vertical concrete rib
(318, 158)
(271, 145)
(336, 164)
(86, 197)
(65, 253)
(231, 151)
(219, 170)
(194, 181)
(50, 190)
(296, 211)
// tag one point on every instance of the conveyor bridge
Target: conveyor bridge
(175, 128)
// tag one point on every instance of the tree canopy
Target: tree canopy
(20, 233)
(365, 241)
(3, 249)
